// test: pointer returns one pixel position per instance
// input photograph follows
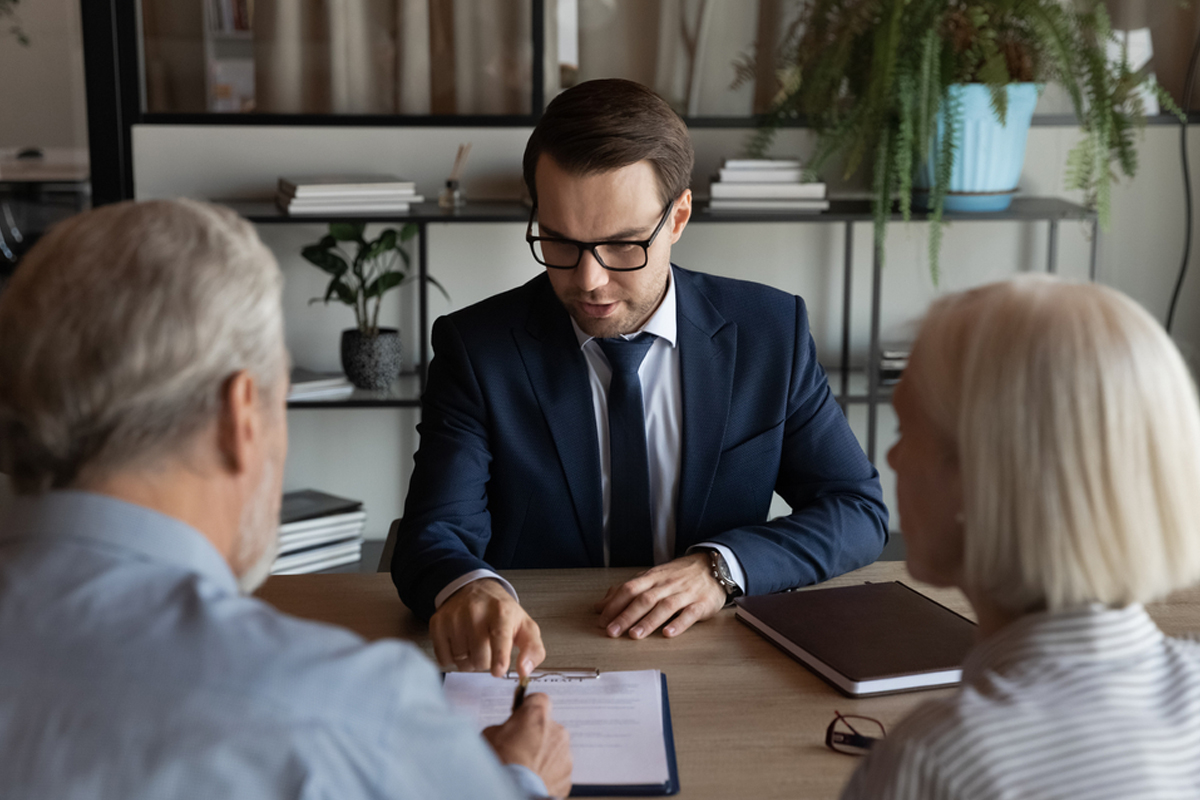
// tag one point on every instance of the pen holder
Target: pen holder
(452, 196)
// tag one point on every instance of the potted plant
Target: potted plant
(893, 82)
(371, 355)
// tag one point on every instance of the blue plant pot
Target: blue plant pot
(987, 164)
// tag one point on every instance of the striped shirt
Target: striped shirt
(1090, 703)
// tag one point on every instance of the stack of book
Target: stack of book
(318, 531)
(893, 358)
(309, 385)
(346, 194)
(765, 184)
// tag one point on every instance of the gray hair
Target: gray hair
(1077, 429)
(119, 331)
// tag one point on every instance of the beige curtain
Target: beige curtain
(685, 49)
(392, 56)
(1173, 30)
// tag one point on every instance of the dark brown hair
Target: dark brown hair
(603, 125)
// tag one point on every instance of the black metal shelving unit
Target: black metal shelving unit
(407, 391)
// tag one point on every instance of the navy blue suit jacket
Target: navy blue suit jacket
(508, 471)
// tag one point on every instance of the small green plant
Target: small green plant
(872, 75)
(8, 11)
(361, 279)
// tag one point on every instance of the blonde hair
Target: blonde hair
(1077, 428)
(119, 330)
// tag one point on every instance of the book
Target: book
(814, 190)
(768, 205)
(875, 638)
(329, 393)
(318, 558)
(620, 724)
(317, 538)
(346, 208)
(762, 163)
(794, 175)
(323, 530)
(337, 202)
(344, 185)
(310, 504)
(323, 522)
(306, 384)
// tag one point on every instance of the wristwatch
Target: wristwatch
(720, 572)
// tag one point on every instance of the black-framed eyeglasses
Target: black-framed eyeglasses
(618, 255)
(852, 735)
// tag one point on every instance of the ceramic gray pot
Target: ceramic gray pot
(371, 362)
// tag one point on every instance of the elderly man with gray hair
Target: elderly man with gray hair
(142, 423)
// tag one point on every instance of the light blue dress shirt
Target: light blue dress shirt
(131, 667)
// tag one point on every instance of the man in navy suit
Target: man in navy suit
(618, 410)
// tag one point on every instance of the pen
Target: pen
(519, 694)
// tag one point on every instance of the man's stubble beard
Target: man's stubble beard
(634, 318)
(258, 534)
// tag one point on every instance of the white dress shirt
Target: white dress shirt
(1092, 703)
(662, 401)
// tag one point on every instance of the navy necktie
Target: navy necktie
(630, 539)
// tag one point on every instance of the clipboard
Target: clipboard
(669, 787)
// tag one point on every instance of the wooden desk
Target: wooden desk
(749, 721)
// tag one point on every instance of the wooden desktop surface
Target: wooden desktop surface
(749, 721)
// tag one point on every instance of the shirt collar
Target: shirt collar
(141, 532)
(663, 323)
(1072, 638)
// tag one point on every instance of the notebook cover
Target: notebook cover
(870, 632)
(637, 790)
(309, 504)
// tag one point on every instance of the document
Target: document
(618, 721)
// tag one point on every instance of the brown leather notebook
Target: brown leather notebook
(876, 638)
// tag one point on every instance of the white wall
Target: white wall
(367, 453)
(42, 91)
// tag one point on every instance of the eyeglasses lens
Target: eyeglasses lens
(556, 254)
(622, 256)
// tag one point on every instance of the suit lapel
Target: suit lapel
(708, 356)
(558, 373)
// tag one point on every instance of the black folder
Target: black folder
(875, 638)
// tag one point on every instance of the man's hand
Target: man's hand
(530, 738)
(477, 627)
(684, 586)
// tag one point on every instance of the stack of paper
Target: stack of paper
(346, 194)
(764, 184)
(309, 385)
(318, 531)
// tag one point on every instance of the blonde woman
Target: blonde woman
(1049, 466)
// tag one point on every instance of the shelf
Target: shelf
(858, 388)
(857, 210)
(1022, 208)
(404, 393)
(495, 211)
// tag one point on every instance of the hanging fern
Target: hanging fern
(872, 76)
